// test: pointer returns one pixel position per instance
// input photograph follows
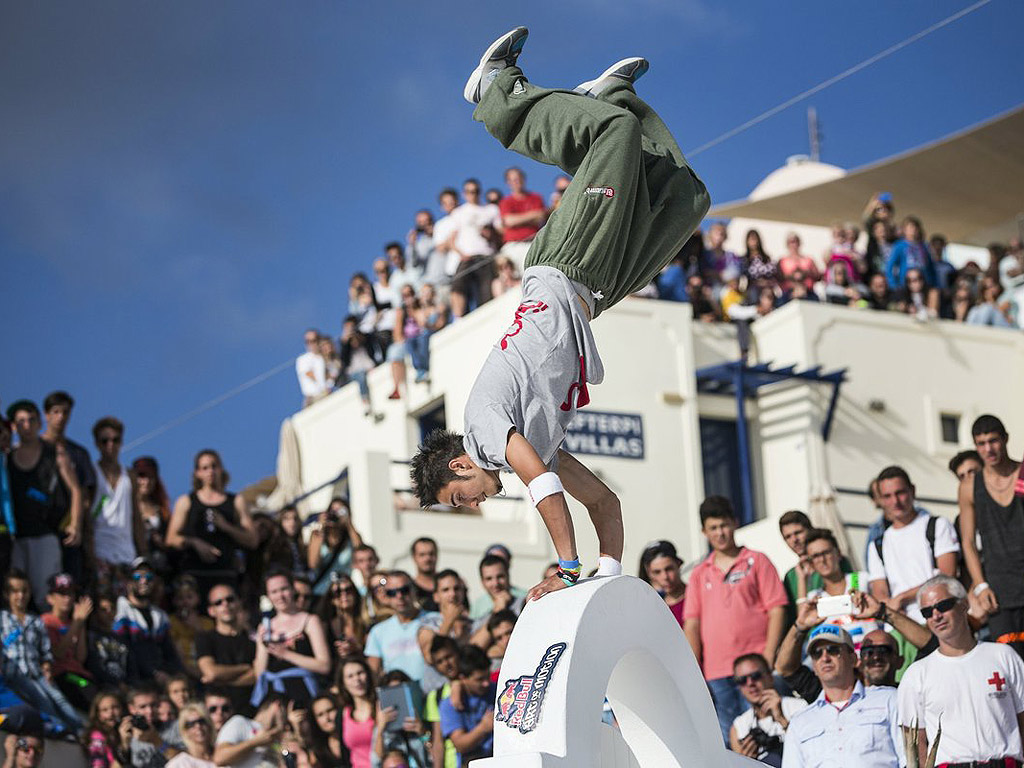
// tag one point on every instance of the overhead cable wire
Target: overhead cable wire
(836, 78)
(210, 404)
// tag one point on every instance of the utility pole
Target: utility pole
(814, 133)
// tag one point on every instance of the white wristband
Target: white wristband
(543, 486)
(980, 588)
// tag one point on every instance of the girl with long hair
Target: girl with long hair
(341, 612)
(760, 268)
(103, 744)
(210, 524)
(358, 698)
(327, 742)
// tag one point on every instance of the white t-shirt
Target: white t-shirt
(977, 696)
(387, 300)
(469, 219)
(908, 556)
(443, 229)
(240, 728)
(312, 373)
(790, 706)
(112, 517)
(185, 760)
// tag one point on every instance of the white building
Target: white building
(661, 430)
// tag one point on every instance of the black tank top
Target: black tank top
(1002, 540)
(199, 524)
(39, 496)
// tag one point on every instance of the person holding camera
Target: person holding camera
(761, 730)
(140, 730)
(248, 742)
(23, 751)
(331, 545)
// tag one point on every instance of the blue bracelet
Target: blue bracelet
(569, 565)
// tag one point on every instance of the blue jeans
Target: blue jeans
(729, 703)
(418, 348)
(43, 696)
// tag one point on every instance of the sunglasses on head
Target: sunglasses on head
(230, 600)
(396, 591)
(831, 649)
(943, 606)
(753, 677)
(194, 723)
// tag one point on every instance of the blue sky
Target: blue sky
(185, 187)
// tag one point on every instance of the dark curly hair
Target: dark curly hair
(430, 470)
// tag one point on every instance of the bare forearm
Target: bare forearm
(691, 628)
(555, 514)
(776, 618)
(915, 634)
(787, 660)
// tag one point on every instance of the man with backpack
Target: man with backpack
(915, 547)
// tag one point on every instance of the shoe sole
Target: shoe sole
(641, 69)
(506, 47)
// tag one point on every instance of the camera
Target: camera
(140, 722)
(289, 758)
(765, 743)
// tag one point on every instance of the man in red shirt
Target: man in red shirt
(735, 605)
(522, 216)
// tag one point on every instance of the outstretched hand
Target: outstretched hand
(551, 584)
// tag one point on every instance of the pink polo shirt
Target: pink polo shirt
(732, 608)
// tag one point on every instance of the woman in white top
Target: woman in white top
(197, 732)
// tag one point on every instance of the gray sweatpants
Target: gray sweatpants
(633, 200)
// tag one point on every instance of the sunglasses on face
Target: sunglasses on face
(879, 651)
(229, 600)
(396, 591)
(142, 577)
(753, 677)
(220, 708)
(193, 723)
(107, 440)
(943, 606)
(833, 651)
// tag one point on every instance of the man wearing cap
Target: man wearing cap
(847, 724)
(145, 629)
(974, 691)
(66, 626)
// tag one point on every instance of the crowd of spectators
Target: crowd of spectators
(445, 269)
(198, 633)
(474, 252)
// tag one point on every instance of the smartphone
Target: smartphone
(834, 605)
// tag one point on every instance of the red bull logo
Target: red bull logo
(519, 703)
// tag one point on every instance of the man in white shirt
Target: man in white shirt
(975, 691)
(914, 548)
(402, 272)
(117, 523)
(311, 370)
(476, 228)
(245, 742)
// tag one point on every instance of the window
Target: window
(950, 427)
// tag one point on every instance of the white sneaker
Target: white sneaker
(502, 53)
(630, 70)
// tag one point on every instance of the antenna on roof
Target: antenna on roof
(814, 133)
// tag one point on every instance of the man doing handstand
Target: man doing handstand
(632, 204)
